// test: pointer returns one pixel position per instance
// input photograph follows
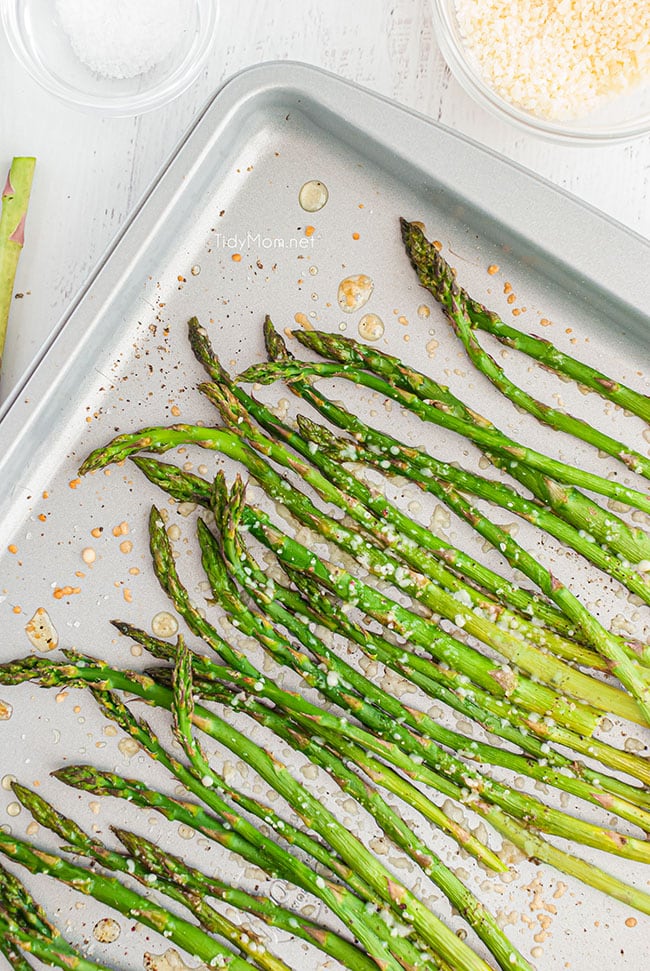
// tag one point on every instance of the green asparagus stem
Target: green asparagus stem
(631, 543)
(436, 276)
(210, 919)
(109, 891)
(15, 199)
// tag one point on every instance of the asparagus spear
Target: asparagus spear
(109, 891)
(436, 275)
(438, 414)
(568, 503)
(210, 919)
(15, 199)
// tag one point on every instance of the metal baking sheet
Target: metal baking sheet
(120, 361)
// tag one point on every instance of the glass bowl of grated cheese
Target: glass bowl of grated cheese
(572, 70)
(112, 57)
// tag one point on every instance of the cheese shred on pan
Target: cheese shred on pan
(558, 59)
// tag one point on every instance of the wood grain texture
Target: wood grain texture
(92, 170)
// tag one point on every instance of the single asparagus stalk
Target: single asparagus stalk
(436, 275)
(109, 891)
(489, 438)
(577, 509)
(211, 920)
(15, 199)
(200, 884)
(187, 487)
(326, 481)
(105, 783)
(350, 909)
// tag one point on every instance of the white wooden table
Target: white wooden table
(92, 171)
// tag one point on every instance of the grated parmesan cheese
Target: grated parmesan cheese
(558, 59)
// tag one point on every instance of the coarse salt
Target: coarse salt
(123, 38)
(558, 59)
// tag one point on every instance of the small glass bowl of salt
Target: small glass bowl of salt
(112, 57)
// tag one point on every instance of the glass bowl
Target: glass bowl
(625, 117)
(37, 38)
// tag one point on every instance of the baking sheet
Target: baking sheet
(121, 361)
